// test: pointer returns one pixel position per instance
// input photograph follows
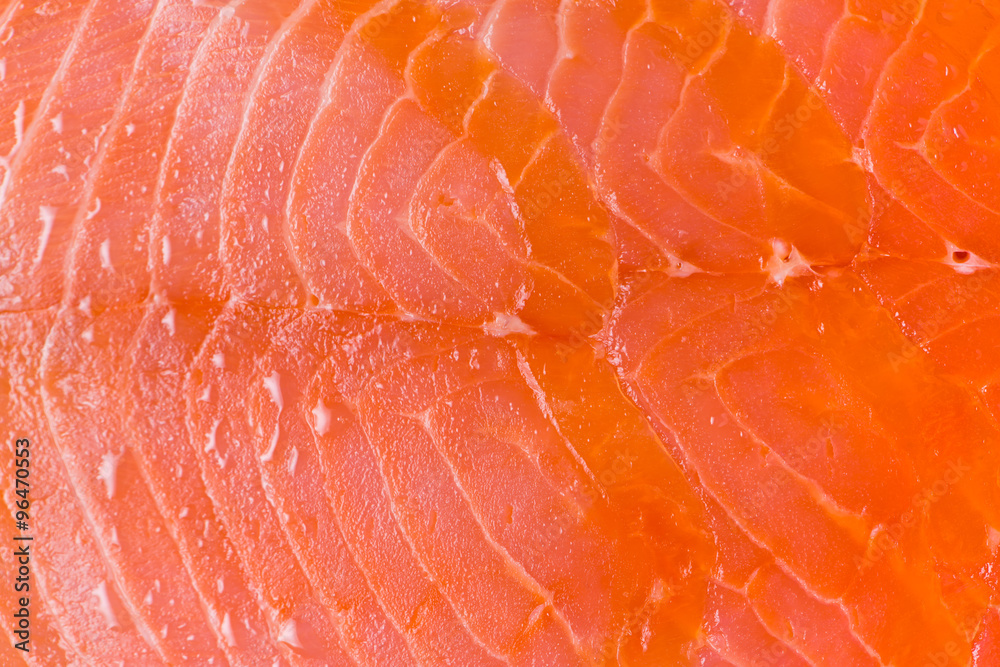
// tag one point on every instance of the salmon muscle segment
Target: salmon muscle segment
(643, 103)
(294, 484)
(77, 391)
(588, 68)
(948, 318)
(34, 46)
(185, 251)
(46, 178)
(549, 515)
(726, 137)
(734, 631)
(260, 263)
(23, 418)
(520, 205)
(768, 144)
(365, 513)
(163, 348)
(840, 48)
(898, 517)
(364, 81)
(921, 150)
(552, 221)
(639, 488)
(537, 333)
(217, 383)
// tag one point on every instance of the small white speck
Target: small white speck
(210, 444)
(269, 454)
(289, 634)
(166, 250)
(993, 539)
(169, 321)
(104, 605)
(273, 384)
(108, 472)
(227, 630)
(47, 214)
(129, 129)
(786, 261)
(219, 360)
(504, 325)
(18, 125)
(105, 253)
(96, 210)
(57, 123)
(322, 415)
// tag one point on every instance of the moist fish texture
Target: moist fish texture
(502, 332)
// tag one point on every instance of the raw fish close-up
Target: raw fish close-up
(541, 333)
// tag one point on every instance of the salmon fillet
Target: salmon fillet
(507, 332)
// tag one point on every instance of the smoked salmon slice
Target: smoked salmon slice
(500, 332)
